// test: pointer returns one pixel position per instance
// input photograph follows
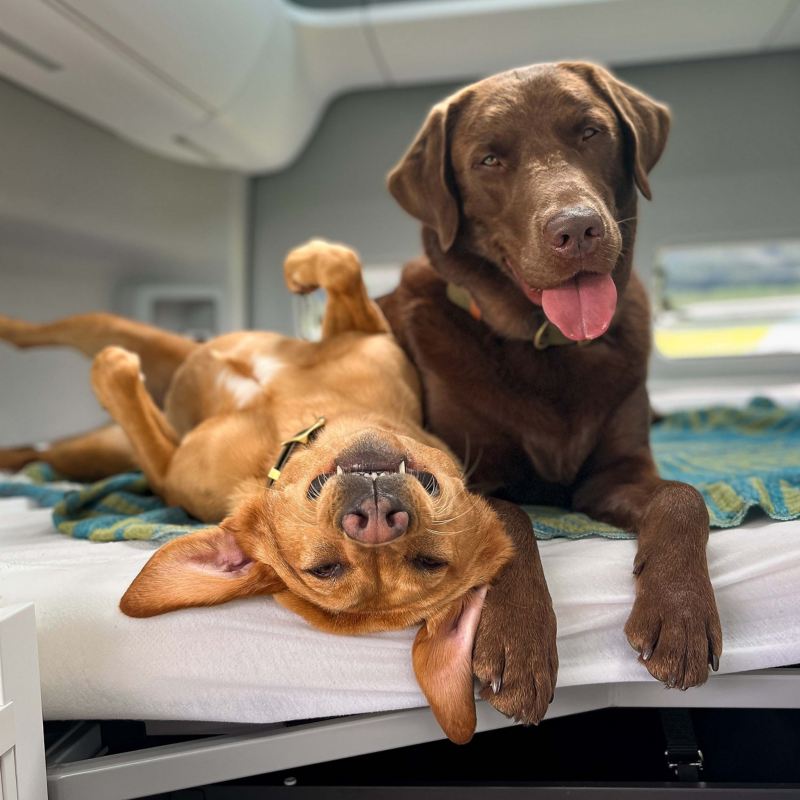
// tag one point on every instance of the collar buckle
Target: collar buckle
(304, 437)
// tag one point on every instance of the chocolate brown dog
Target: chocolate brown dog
(532, 333)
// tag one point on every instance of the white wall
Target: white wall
(731, 171)
(83, 217)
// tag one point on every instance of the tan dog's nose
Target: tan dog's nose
(574, 232)
(377, 519)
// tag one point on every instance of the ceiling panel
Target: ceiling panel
(451, 40)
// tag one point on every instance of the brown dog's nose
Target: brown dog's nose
(376, 520)
(574, 232)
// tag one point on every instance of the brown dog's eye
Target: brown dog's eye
(490, 161)
(327, 571)
(427, 563)
(589, 132)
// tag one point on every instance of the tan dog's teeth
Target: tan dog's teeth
(339, 470)
(402, 469)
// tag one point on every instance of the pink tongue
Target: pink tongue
(582, 307)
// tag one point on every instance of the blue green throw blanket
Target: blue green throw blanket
(120, 507)
(737, 458)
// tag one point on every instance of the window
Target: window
(728, 300)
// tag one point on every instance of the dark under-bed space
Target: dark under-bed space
(609, 753)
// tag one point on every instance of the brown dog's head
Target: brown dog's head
(366, 530)
(526, 183)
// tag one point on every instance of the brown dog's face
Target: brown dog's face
(364, 531)
(534, 172)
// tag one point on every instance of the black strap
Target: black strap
(682, 753)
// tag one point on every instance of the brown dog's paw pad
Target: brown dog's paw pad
(677, 641)
(518, 672)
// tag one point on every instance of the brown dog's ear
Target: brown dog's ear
(422, 182)
(646, 122)
(200, 569)
(442, 657)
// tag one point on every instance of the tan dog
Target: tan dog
(369, 526)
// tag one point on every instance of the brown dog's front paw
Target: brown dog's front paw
(676, 632)
(516, 660)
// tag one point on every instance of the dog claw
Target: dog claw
(497, 685)
(647, 653)
(714, 662)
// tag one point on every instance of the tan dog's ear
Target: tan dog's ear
(200, 569)
(646, 122)
(442, 657)
(422, 182)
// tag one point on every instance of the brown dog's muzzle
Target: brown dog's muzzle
(376, 509)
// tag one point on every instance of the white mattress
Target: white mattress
(252, 661)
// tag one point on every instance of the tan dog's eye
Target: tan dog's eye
(427, 563)
(588, 133)
(490, 161)
(315, 487)
(327, 571)
(428, 481)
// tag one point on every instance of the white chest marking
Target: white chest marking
(265, 367)
(245, 389)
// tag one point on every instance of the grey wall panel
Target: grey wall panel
(83, 217)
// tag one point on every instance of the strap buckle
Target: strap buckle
(686, 763)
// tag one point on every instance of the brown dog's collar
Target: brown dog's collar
(288, 446)
(547, 335)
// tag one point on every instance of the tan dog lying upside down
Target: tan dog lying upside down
(369, 526)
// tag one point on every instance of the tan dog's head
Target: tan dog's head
(535, 172)
(366, 530)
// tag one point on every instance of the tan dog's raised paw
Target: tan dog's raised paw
(321, 264)
(14, 331)
(115, 373)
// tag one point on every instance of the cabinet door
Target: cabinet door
(22, 766)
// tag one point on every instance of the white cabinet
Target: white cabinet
(22, 765)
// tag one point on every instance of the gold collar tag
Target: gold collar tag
(288, 446)
(550, 336)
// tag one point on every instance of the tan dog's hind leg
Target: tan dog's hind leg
(337, 269)
(161, 352)
(118, 384)
(88, 456)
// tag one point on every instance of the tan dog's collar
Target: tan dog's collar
(288, 446)
(547, 335)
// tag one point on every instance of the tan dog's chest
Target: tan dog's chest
(285, 379)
